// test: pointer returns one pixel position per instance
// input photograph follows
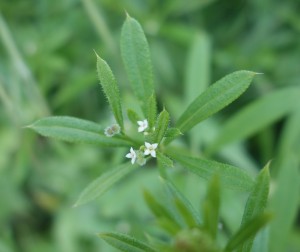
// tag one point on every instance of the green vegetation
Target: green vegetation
(173, 139)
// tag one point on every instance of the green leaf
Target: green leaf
(257, 116)
(152, 111)
(230, 176)
(126, 243)
(137, 60)
(289, 139)
(171, 134)
(164, 216)
(133, 116)
(72, 129)
(110, 88)
(285, 203)
(256, 202)
(211, 207)
(248, 231)
(161, 126)
(103, 183)
(188, 213)
(164, 163)
(216, 97)
(198, 66)
(261, 242)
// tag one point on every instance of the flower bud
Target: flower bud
(112, 130)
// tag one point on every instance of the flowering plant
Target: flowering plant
(152, 138)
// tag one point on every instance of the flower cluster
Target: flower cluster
(138, 156)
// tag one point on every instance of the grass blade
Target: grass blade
(285, 203)
(198, 66)
(289, 139)
(257, 116)
(126, 243)
(110, 88)
(72, 129)
(216, 97)
(103, 183)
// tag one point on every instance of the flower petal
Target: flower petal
(153, 153)
(154, 146)
(148, 145)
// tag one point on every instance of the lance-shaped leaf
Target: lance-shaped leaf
(257, 116)
(152, 111)
(164, 163)
(110, 89)
(216, 97)
(248, 231)
(171, 134)
(256, 202)
(137, 60)
(133, 116)
(103, 183)
(72, 129)
(185, 208)
(161, 126)
(126, 243)
(198, 66)
(289, 139)
(211, 207)
(164, 216)
(285, 203)
(230, 176)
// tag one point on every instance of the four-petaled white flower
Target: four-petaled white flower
(131, 155)
(150, 149)
(142, 125)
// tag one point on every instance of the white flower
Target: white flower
(150, 149)
(142, 125)
(131, 155)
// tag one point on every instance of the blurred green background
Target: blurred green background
(47, 66)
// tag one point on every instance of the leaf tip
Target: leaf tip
(100, 234)
(96, 53)
(30, 126)
(266, 168)
(127, 14)
(75, 205)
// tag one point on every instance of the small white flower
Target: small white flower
(150, 149)
(131, 155)
(142, 125)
